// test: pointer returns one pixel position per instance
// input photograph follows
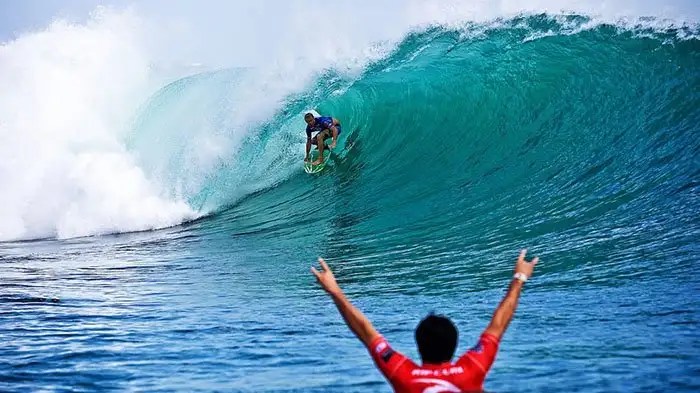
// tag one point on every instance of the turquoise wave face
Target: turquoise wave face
(534, 130)
(531, 101)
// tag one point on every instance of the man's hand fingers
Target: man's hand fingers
(521, 257)
(316, 273)
(324, 265)
(534, 261)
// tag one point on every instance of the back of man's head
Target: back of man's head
(436, 337)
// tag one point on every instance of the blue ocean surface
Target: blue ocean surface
(461, 145)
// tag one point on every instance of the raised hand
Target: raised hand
(325, 277)
(523, 266)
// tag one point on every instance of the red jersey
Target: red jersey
(465, 375)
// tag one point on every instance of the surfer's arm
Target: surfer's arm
(354, 318)
(334, 130)
(308, 145)
(334, 133)
(505, 311)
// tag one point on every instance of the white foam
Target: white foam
(66, 96)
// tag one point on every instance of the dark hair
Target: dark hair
(308, 115)
(436, 337)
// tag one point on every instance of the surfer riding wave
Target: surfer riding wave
(324, 127)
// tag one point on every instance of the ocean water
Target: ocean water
(157, 233)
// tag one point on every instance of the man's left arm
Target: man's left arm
(334, 130)
(354, 318)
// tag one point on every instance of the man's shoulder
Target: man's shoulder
(387, 359)
(482, 355)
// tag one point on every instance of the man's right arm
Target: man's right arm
(354, 318)
(505, 311)
(308, 145)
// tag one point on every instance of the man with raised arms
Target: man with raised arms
(436, 337)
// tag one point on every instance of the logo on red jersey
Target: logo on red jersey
(478, 348)
(438, 386)
(380, 347)
(384, 351)
(387, 355)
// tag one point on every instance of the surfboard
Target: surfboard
(310, 168)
